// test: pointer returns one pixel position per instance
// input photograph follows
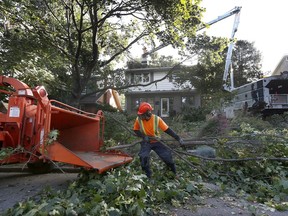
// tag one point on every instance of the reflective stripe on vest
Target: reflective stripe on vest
(156, 122)
(142, 129)
(155, 126)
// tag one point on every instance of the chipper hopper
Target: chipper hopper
(37, 131)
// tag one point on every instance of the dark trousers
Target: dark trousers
(161, 150)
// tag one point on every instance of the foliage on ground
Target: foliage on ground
(122, 191)
(251, 162)
(258, 168)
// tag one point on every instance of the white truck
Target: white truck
(266, 96)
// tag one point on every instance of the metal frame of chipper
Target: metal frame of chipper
(30, 118)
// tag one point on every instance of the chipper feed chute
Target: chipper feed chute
(80, 139)
(30, 120)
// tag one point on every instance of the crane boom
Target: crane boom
(228, 62)
(235, 11)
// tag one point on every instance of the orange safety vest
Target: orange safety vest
(155, 127)
(151, 127)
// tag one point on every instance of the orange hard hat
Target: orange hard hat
(144, 107)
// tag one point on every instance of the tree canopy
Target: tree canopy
(207, 74)
(246, 63)
(81, 42)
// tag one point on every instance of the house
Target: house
(166, 98)
(110, 96)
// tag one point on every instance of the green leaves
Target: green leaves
(127, 191)
(123, 191)
(190, 187)
(265, 179)
(81, 43)
(5, 152)
(52, 136)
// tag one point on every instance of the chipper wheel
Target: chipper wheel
(40, 167)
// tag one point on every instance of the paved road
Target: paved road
(18, 186)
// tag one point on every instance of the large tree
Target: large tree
(246, 63)
(207, 67)
(81, 41)
(207, 74)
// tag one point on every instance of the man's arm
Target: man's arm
(139, 134)
(170, 132)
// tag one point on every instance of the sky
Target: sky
(262, 22)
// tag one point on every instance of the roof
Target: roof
(91, 98)
(161, 92)
(154, 69)
(282, 66)
(99, 98)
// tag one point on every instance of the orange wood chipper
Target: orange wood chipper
(29, 119)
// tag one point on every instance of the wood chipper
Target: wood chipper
(37, 131)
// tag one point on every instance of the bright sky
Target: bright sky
(263, 22)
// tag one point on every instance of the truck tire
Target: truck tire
(40, 167)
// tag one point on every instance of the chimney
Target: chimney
(144, 60)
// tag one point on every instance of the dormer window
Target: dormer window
(146, 78)
(171, 77)
(137, 78)
(141, 78)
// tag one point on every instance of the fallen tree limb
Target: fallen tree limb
(232, 160)
(192, 142)
(123, 146)
(182, 158)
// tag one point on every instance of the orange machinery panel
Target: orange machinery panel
(80, 140)
(31, 117)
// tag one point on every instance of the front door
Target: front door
(165, 107)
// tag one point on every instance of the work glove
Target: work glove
(181, 142)
(146, 139)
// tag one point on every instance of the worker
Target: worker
(146, 126)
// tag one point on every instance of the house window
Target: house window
(141, 78)
(146, 78)
(188, 101)
(137, 78)
(138, 101)
(171, 77)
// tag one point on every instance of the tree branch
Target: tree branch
(233, 160)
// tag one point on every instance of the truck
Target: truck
(38, 131)
(266, 96)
